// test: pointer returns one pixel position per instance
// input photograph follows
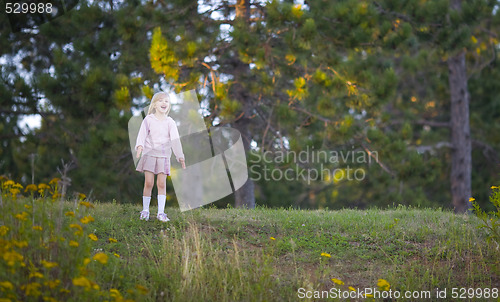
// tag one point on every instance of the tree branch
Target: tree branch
(432, 148)
(424, 123)
(488, 151)
(378, 161)
(321, 118)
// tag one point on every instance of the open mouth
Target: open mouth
(164, 107)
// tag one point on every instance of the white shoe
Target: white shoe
(162, 217)
(144, 215)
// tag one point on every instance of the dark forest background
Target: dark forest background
(415, 81)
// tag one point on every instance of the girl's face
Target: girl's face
(161, 105)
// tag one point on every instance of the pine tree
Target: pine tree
(443, 29)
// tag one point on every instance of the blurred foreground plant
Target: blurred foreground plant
(45, 252)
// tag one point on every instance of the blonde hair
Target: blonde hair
(159, 96)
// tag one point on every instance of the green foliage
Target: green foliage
(490, 220)
(46, 247)
(163, 59)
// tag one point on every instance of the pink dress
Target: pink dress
(158, 138)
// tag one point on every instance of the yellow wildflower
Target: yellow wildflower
(86, 261)
(368, 296)
(14, 192)
(17, 186)
(43, 186)
(101, 257)
(383, 284)
(141, 288)
(23, 216)
(9, 183)
(32, 289)
(48, 264)
(494, 187)
(82, 281)
(116, 255)
(272, 238)
(73, 243)
(352, 289)
(27, 206)
(337, 281)
(76, 226)
(31, 188)
(64, 291)
(35, 275)
(54, 181)
(20, 244)
(86, 204)
(70, 213)
(113, 240)
(79, 229)
(87, 219)
(49, 299)
(6, 285)
(326, 255)
(53, 283)
(471, 199)
(81, 196)
(3, 230)
(93, 237)
(115, 294)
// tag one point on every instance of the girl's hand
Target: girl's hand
(139, 150)
(183, 163)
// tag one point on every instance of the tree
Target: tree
(448, 29)
(84, 69)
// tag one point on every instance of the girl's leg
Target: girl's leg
(161, 183)
(149, 178)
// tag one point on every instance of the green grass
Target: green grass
(228, 254)
(413, 249)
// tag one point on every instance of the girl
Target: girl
(157, 137)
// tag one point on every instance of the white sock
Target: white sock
(161, 203)
(145, 203)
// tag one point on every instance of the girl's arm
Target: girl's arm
(141, 137)
(176, 142)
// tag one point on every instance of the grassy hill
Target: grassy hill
(242, 255)
(268, 254)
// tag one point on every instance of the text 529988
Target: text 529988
(27, 8)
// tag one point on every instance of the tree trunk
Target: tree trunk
(461, 160)
(244, 196)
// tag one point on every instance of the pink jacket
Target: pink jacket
(159, 137)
